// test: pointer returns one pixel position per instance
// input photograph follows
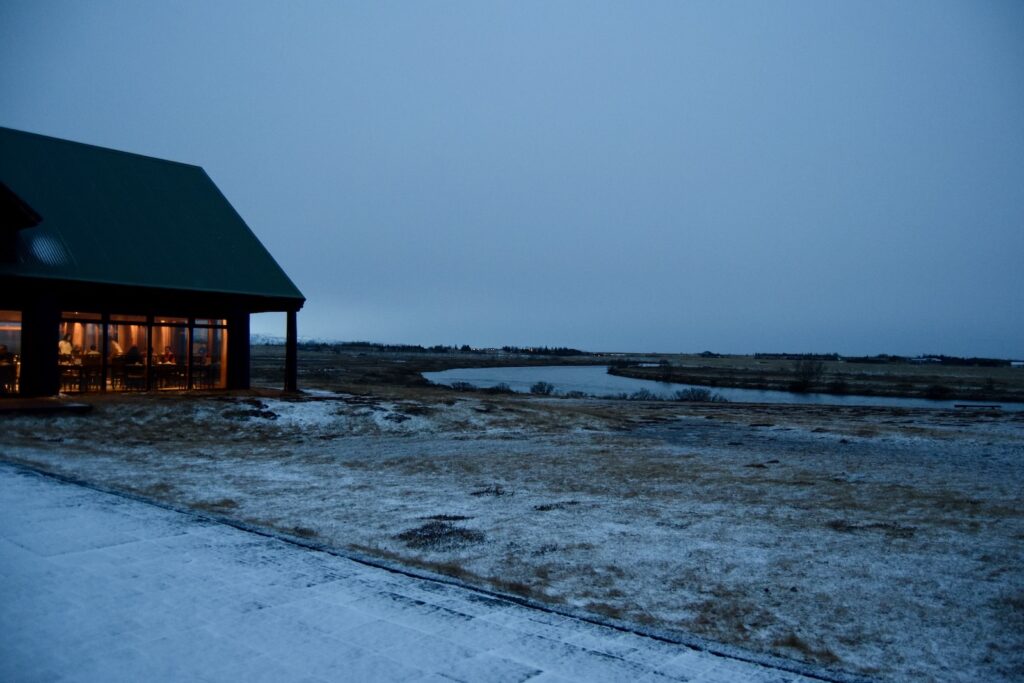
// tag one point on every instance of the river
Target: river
(594, 380)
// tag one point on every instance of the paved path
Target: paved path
(96, 587)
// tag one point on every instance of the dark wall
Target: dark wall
(40, 375)
(238, 350)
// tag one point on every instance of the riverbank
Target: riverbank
(360, 371)
(904, 380)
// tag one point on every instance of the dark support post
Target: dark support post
(238, 350)
(149, 353)
(188, 366)
(40, 332)
(291, 354)
(105, 368)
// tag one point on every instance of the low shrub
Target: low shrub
(439, 536)
(699, 395)
(542, 388)
(644, 395)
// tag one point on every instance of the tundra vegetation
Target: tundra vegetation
(883, 542)
(936, 377)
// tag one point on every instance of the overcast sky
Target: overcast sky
(679, 176)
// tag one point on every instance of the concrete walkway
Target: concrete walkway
(97, 587)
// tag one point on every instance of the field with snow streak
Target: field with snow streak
(880, 542)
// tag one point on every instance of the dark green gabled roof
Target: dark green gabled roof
(124, 219)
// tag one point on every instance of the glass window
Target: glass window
(10, 331)
(170, 357)
(10, 351)
(80, 354)
(209, 358)
(143, 353)
(129, 349)
(77, 338)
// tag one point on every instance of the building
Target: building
(122, 272)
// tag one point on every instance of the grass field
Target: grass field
(925, 380)
(876, 541)
(917, 380)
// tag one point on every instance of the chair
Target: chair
(180, 376)
(92, 372)
(117, 364)
(8, 378)
(70, 377)
(135, 377)
(202, 376)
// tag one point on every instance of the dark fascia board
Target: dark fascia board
(18, 292)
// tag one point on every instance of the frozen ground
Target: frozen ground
(99, 588)
(881, 542)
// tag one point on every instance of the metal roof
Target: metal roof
(118, 218)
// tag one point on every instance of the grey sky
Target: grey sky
(680, 176)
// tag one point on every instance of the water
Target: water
(594, 380)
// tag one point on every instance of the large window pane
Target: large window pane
(209, 357)
(10, 351)
(79, 353)
(129, 345)
(170, 357)
(143, 353)
(79, 337)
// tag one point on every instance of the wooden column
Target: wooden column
(291, 354)
(105, 367)
(191, 350)
(40, 332)
(238, 350)
(149, 354)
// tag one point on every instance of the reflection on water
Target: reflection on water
(595, 381)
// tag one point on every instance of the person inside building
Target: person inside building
(64, 345)
(167, 356)
(5, 355)
(133, 356)
(92, 352)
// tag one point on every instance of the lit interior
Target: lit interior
(167, 354)
(10, 351)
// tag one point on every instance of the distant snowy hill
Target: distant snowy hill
(271, 340)
(265, 340)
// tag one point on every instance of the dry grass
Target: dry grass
(851, 523)
(439, 536)
(794, 642)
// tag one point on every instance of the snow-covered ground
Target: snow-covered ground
(885, 543)
(99, 588)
